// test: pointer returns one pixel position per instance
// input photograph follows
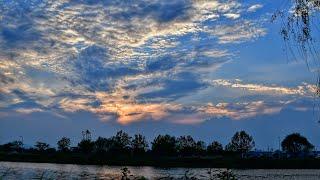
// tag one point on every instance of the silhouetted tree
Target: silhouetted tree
(64, 144)
(241, 142)
(12, 146)
(86, 145)
(7, 147)
(164, 145)
(299, 27)
(17, 145)
(100, 145)
(200, 148)
(295, 143)
(86, 135)
(139, 144)
(186, 145)
(214, 147)
(41, 146)
(121, 142)
(103, 145)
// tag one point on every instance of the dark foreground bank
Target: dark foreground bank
(167, 151)
(231, 162)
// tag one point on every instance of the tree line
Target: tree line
(163, 145)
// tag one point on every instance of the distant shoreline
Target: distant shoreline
(166, 162)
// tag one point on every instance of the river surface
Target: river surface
(16, 171)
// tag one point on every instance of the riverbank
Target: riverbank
(231, 162)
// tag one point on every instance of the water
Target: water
(16, 171)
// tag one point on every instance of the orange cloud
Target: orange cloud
(126, 110)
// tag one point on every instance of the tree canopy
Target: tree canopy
(295, 143)
(214, 147)
(139, 144)
(241, 142)
(164, 145)
(64, 144)
(41, 146)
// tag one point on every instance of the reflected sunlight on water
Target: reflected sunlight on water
(13, 170)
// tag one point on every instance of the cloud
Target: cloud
(119, 106)
(127, 112)
(19, 35)
(28, 111)
(239, 32)
(122, 107)
(238, 111)
(119, 60)
(233, 111)
(181, 85)
(305, 89)
(254, 7)
(232, 16)
(124, 28)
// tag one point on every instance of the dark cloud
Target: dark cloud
(91, 61)
(20, 94)
(5, 79)
(180, 85)
(161, 11)
(96, 69)
(21, 5)
(204, 62)
(19, 36)
(18, 27)
(25, 101)
(161, 64)
(90, 64)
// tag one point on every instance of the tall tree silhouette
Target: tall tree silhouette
(164, 145)
(241, 142)
(200, 148)
(186, 145)
(139, 144)
(121, 142)
(103, 145)
(86, 135)
(64, 144)
(86, 145)
(214, 147)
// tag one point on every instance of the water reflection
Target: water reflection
(13, 171)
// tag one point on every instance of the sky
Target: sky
(205, 68)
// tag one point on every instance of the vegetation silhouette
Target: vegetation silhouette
(187, 146)
(139, 144)
(299, 29)
(295, 143)
(41, 146)
(214, 147)
(13, 146)
(164, 145)
(103, 145)
(165, 150)
(64, 144)
(241, 142)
